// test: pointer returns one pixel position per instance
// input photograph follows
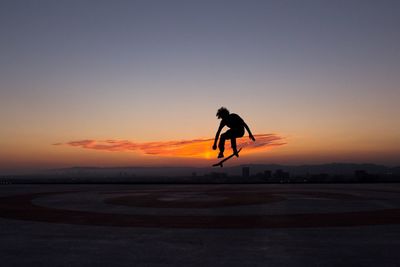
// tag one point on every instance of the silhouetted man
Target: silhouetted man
(236, 125)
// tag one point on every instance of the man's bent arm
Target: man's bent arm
(218, 132)
(248, 130)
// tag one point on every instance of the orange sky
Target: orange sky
(196, 148)
(26, 154)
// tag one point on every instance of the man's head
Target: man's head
(222, 113)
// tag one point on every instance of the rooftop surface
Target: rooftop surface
(200, 225)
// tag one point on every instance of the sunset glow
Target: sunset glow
(196, 148)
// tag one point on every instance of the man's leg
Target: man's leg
(221, 144)
(233, 145)
(235, 134)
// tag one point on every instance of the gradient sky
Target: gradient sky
(322, 75)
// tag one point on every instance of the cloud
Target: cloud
(181, 148)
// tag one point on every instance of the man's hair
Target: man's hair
(222, 111)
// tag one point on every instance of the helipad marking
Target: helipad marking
(21, 207)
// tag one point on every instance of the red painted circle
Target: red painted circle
(21, 207)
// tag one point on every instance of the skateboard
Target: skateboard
(221, 163)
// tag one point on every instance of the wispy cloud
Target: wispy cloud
(181, 148)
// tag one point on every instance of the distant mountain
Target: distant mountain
(331, 169)
(128, 171)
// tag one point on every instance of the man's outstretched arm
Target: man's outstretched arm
(217, 135)
(248, 130)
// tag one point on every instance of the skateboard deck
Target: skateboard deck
(221, 163)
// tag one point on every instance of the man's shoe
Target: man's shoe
(220, 155)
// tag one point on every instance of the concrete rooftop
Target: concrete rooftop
(200, 225)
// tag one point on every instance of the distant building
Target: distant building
(246, 171)
(217, 175)
(321, 177)
(267, 174)
(360, 174)
(280, 174)
(364, 176)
